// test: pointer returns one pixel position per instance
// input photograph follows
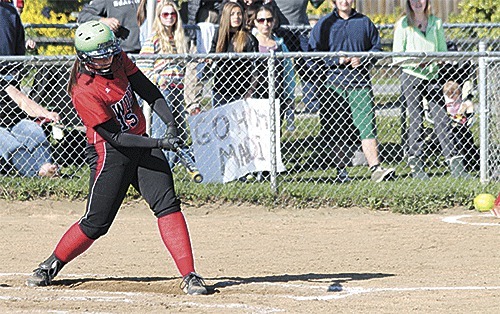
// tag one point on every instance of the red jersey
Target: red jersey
(98, 99)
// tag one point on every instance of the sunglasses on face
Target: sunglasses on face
(262, 20)
(167, 14)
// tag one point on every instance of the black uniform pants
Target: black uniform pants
(113, 171)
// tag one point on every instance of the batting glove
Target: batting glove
(171, 141)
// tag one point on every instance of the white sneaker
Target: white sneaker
(382, 174)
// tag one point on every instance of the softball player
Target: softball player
(120, 154)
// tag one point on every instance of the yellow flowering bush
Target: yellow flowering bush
(39, 12)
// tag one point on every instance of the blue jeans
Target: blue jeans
(25, 147)
(175, 98)
(310, 99)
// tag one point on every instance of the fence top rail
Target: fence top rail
(35, 58)
(282, 55)
(290, 27)
(451, 25)
(37, 25)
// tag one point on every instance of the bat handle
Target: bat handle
(196, 176)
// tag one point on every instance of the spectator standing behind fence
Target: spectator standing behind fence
(102, 85)
(421, 31)
(192, 86)
(347, 79)
(23, 144)
(168, 74)
(120, 16)
(233, 78)
(30, 43)
(284, 75)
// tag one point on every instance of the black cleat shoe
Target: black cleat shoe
(46, 271)
(193, 284)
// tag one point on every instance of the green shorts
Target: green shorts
(361, 103)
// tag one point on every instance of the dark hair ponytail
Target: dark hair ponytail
(72, 77)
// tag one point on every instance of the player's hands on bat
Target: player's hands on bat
(171, 141)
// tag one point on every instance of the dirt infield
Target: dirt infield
(259, 260)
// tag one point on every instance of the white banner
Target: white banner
(234, 139)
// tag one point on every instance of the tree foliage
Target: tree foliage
(44, 12)
(477, 11)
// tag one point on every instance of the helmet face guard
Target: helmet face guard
(93, 59)
(95, 43)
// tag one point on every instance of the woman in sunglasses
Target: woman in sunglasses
(233, 77)
(168, 74)
(264, 21)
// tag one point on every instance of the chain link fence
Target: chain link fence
(491, 72)
(317, 132)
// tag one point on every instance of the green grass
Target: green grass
(301, 186)
(312, 189)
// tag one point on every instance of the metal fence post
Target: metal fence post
(148, 113)
(483, 116)
(273, 127)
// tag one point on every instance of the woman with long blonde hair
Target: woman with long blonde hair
(167, 73)
(167, 25)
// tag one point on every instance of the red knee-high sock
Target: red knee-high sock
(175, 235)
(73, 243)
(496, 206)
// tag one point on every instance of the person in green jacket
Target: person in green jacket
(420, 31)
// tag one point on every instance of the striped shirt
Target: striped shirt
(164, 72)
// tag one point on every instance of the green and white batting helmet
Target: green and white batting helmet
(95, 40)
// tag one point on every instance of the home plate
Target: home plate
(462, 219)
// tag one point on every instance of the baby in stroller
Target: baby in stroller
(457, 80)
(459, 110)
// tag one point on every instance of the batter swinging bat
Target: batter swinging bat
(188, 162)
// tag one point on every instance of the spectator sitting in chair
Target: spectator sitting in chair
(23, 143)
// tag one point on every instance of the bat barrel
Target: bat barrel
(197, 177)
